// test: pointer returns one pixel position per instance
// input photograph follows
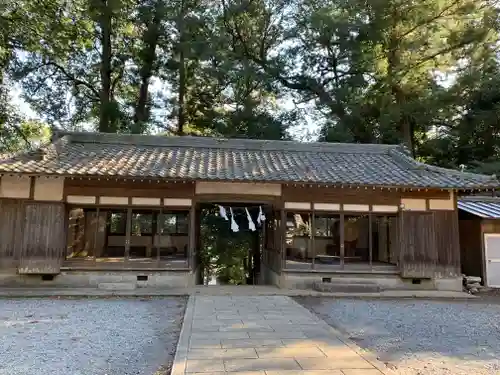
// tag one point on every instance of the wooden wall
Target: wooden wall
(447, 243)
(136, 188)
(340, 195)
(429, 239)
(471, 247)
(32, 236)
(11, 232)
(429, 244)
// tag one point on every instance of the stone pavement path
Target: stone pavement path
(264, 335)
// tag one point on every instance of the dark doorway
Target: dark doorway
(226, 256)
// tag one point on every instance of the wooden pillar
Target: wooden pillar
(282, 237)
(192, 241)
(158, 236)
(312, 234)
(97, 227)
(342, 239)
(128, 234)
(370, 238)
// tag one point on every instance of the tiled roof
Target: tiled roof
(203, 158)
(482, 206)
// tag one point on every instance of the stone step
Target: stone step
(347, 287)
(117, 286)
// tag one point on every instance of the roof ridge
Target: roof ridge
(417, 165)
(225, 143)
(480, 198)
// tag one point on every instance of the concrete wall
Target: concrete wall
(302, 280)
(270, 277)
(91, 279)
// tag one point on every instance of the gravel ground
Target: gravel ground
(89, 336)
(420, 337)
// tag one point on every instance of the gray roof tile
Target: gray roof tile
(203, 158)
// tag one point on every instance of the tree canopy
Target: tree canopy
(423, 73)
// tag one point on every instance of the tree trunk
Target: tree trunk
(182, 71)
(394, 63)
(105, 18)
(148, 56)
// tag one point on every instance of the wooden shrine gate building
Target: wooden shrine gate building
(92, 207)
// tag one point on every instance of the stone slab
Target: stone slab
(332, 363)
(219, 335)
(277, 335)
(290, 352)
(306, 372)
(251, 343)
(261, 364)
(204, 365)
(117, 286)
(207, 343)
(248, 353)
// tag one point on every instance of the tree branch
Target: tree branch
(76, 81)
(429, 20)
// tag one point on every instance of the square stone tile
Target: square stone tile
(277, 335)
(308, 343)
(233, 316)
(215, 322)
(278, 317)
(222, 353)
(251, 317)
(333, 363)
(261, 364)
(206, 343)
(325, 343)
(290, 352)
(251, 343)
(305, 372)
(339, 352)
(205, 328)
(252, 327)
(219, 335)
(234, 373)
(204, 365)
(271, 322)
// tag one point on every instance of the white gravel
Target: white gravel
(89, 336)
(420, 337)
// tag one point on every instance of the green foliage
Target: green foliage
(368, 71)
(223, 251)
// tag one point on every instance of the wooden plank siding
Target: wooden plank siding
(11, 232)
(128, 189)
(340, 195)
(471, 248)
(429, 244)
(446, 230)
(418, 255)
(44, 238)
(362, 195)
